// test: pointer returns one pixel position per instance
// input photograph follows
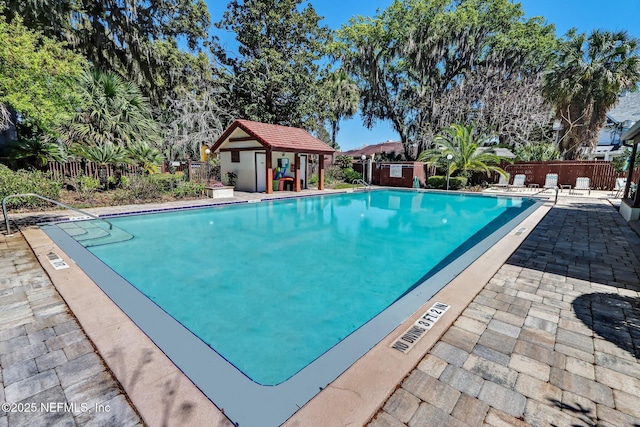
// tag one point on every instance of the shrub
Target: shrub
(232, 177)
(86, 186)
(166, 182)
(458, 182)
(140, 188)
(455, 182)
(23, 181)
(313, 179)
(350, 175)
(343, 161)
(188, 189)
(332, 174)
(153, 187)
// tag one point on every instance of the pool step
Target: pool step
(81, 231)
(94, 233)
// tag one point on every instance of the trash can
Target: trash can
(288, 184)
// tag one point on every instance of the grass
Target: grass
(345, 185)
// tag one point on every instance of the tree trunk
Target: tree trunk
(102, 176)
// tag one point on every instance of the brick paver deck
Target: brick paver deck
(50, 373)
(553, 339)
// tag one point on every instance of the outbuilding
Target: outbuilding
(259, 154)
(630, 207)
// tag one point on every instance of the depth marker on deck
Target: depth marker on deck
(411, 336)
(57, 262)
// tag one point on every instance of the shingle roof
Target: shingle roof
(387, 147)
(278, 137)
(627, 108)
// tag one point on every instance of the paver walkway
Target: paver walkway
(50, 373)
(553, 339)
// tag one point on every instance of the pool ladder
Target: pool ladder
(6, 216)
(362, 182)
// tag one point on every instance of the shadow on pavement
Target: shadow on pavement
(585, 415)
(614, 317)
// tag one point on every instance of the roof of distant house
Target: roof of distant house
(499, 151)
(277, 137)
(627, 108)
(395, 147)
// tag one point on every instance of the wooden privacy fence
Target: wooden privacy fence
(74, 169)
(203, 172)
(196, 171)
(398, 174)
(601, 174)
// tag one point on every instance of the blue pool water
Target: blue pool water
(271, 286)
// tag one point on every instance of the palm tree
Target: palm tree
(104, 155)
(113, 112)
(462, 144)
(36, 151)
(145, 156)
(588, 75)
(344, 97)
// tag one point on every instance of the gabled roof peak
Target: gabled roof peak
(277, 137)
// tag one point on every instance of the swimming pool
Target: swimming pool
(274, 286)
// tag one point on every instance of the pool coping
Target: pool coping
(369, 380)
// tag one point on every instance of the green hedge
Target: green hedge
(188, 189)
(455, 182)
(350, 175)
(167, 181)
(23, 181)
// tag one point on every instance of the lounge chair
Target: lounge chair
(518, 181)
(620, 184)
(582, 183)
(551, 180)
(503, 182)
(619, 187)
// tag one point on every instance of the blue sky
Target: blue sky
(582, 14)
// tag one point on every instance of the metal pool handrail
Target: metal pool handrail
(6, 216)
(361, 181)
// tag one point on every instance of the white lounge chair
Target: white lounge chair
(621, 183)
(518, 181)
(503, 182)
(619, 187)
(582, 183)
(551, 180)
